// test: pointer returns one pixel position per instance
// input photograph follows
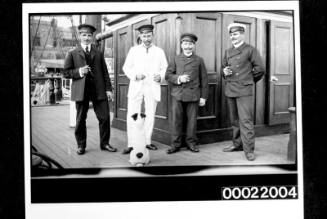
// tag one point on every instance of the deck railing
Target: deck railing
(46, 90)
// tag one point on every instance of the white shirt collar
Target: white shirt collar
(147, 47)
(84, 46)
(238, 45)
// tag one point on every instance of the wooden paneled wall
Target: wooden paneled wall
(213, 39)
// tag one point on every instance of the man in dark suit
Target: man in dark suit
(87, 67)
(241, 68)
(187, 76)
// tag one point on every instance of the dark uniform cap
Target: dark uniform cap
(189, 37)
(86, 28)
(233, 27)
(146, 28)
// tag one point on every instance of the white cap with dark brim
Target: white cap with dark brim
(233, 27)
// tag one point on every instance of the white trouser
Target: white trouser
(134, 106)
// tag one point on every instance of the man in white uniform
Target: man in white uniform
(145, 66)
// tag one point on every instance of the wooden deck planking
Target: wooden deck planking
(39, 142)
(59, 150)
(52, 135)
(45, 142)
(58, 138)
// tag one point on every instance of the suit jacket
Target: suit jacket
(76, 59)
(150, 62)
(198, 85)
(246, 65)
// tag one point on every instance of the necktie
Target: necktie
(87, 56)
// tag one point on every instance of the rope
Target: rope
(60, 45)
(46, 41)
(73, 29)
(37, 30)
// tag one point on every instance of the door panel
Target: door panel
(164, 37)
(281, 93)
(207, 26)
(164, 32)
(123, 42)
(204, 27)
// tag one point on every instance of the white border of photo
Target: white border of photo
(191, 209)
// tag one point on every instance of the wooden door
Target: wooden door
(207, 27)
(123, 41)
(250, 38)
(164, 37)
(281, 93)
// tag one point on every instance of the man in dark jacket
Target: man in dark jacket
(87, 67)
(241, 68)
(187, 76)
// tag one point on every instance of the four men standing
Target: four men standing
(146, 67)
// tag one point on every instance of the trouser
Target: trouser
(179, 110)
(134, 106)
(241, 117)
(101, 109)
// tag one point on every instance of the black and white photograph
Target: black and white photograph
(179, 105)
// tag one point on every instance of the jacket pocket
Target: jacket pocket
(246, 83)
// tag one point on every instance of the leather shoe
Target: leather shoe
(250, 156)
(80, 151)
(109, 148)
(151, 147)
(232, 148)
(193, 148)
(172, 150)
(127, 150)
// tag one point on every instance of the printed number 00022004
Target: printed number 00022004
(259, 192)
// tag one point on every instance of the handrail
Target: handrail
(46, 77)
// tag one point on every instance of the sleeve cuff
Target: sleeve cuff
(80, 73)
(178, 80)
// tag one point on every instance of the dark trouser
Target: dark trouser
(101, 109)
(241, 117)
(179, 109)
